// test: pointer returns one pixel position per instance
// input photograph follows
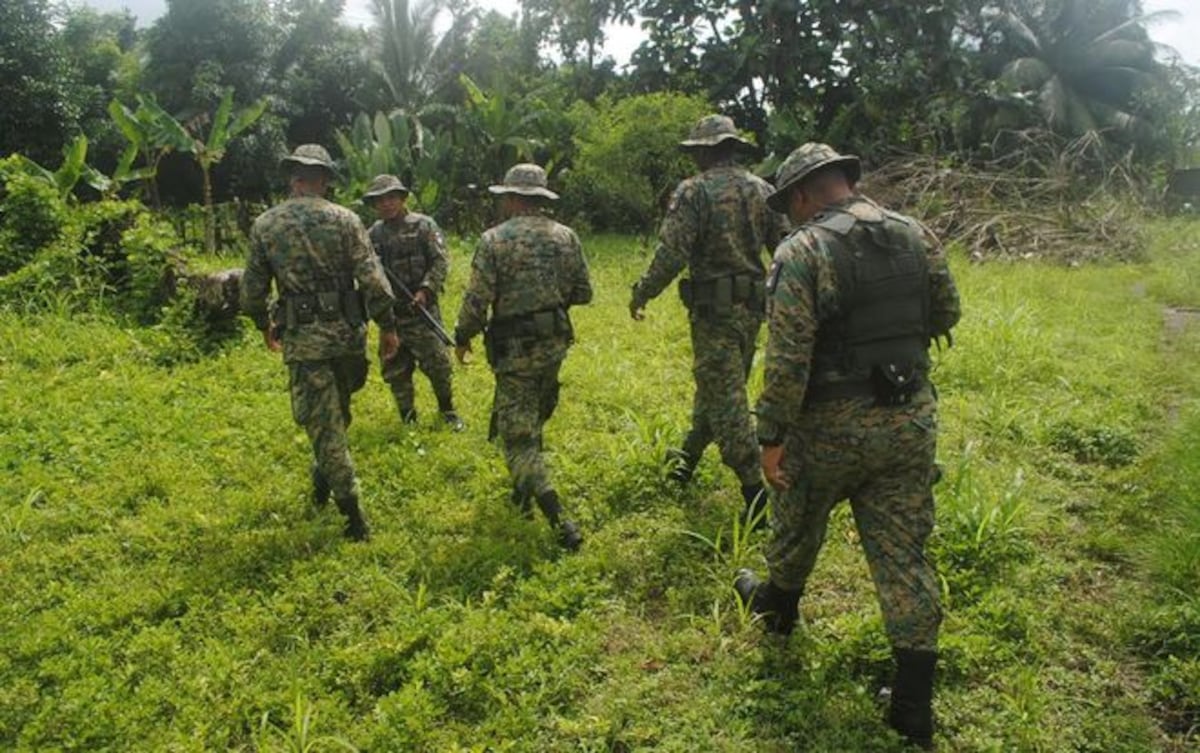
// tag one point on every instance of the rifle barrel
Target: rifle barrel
(433, 323)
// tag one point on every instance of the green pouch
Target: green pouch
(741, 288)
(544, 324)
(329, 305)
(352, 308)
(722, 299)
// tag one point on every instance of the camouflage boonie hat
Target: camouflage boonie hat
(803, 162)
(381, 185)
(310, 154)
(712, 130)
(526, 179)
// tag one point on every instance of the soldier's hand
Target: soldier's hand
(389, 344)
(421, 298)
(772, 467)
(461, 351)
(636, 312)
(271, 341)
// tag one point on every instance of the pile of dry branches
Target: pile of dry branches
(1033, 203)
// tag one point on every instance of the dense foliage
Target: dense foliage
(963, 79)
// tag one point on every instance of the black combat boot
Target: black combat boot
(320, 487)
(779, 609)
(408, 414)
(911, 712)
(523, 501)
(754, 515)
(568, 533)
(356, 526)
(449, 415)
(680, 465)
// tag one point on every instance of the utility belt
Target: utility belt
(508, 335)
(717, 297)
(889, 385)
(327, 306)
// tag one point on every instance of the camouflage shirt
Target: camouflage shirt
(526, 264)
(803, 294)
(413, 249)
(308, 245)
(717, 225)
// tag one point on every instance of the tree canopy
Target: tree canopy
(479, 88)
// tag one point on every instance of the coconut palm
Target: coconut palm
(1084, 65)
(414, 62)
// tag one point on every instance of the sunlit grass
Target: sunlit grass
(171, 588)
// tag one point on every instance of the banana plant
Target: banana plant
(506, 127)
(74, 168)
(385, 143)
(208, 152)
(153, 134)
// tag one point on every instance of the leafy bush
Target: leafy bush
(154, 264)
(629, 158)
(108, 253)
(1113, 447)
(186, 333)
(32, 216)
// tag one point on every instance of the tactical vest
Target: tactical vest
(402, 251)
(878, 343)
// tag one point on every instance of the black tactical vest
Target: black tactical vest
(882, 332)
(402, 251)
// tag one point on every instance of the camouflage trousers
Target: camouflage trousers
(722, 353)
(524, 401)
(419, 348)
(882, 461)
(321, 393)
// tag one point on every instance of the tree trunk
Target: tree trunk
(210, 231)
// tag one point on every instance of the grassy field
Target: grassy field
(170, 588)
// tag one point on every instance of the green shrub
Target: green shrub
(1110, 446)
(112, 255)
(32, 216)
(152, 258)
(629, 158)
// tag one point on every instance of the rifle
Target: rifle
(433, 323)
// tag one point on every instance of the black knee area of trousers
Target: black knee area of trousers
(550, 506)
(321, 490)
(911, 711)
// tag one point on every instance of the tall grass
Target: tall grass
(170, 588)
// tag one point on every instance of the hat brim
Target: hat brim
(705, 143)
(545, 193)
(290, 160)
(851, 167)
(384, 192)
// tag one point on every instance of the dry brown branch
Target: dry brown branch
(1028, 204)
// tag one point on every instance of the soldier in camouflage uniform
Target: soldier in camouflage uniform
(528, 270)
(717, 227)
(856, 296)
(413, 251)
(329, 282)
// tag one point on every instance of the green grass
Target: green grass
(170, 588)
